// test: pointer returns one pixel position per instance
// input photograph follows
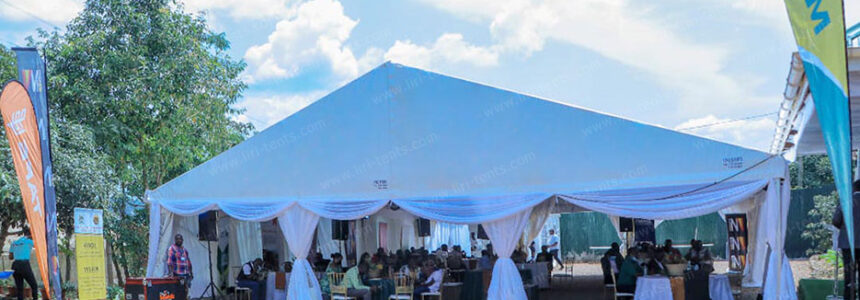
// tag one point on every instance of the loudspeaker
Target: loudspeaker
(482, 234)
(644, 231)
(625, 224)
(423, 226)
(339, 230)
(207, 226)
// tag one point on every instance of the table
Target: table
(271, 292)
(473, 285)
(653, 288)
(385, 288)
(540, 273)
(719, 287)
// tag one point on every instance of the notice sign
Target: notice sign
(89, 221)
(90, 255)
(738, 241)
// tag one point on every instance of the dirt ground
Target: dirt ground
(588, 281)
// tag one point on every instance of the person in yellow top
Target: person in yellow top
(354, 286)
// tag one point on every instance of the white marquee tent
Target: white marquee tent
(460, 152)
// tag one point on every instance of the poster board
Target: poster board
(738, 240)
(90, 254)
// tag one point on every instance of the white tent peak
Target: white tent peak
(399, 132)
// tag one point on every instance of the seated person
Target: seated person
(544, 256)
(655, 265)
(519, 256)
(251, 277)
(432, 283)
(699, 257)
(318, 262)
(669, 249)
(630, 269)
(354, 286)
(486, 261)
(442, 253)
(333, 267)
(455, 259)
(610, 262)
(412, 268)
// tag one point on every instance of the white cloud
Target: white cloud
(263, 111)
(57, 12)
(448, 48)
(314, 31)
(754, 133)
(623, 31)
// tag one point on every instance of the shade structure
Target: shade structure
(461, 152)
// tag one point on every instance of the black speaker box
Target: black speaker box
(207, 223)
(339, 230)
(482, 234)
(625, 224)
(423, 226)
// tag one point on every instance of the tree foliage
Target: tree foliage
(818, 232)
(155, 89)
(140, 93)
(811, 171)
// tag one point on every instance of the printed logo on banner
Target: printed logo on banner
(736, 162)
(89, 221)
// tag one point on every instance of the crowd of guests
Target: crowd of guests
(424, 267)
(649, 259)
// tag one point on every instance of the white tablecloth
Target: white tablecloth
(653, 288)
(540, 273)
(271, 292)
(719, 287)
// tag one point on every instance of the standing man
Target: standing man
(178, 262)
(554, 247)
(851, 268)
(20, 254)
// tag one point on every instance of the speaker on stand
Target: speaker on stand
(625, 225)
(207, 231)
(340, 233)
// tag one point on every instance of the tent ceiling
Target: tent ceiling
(811, 141)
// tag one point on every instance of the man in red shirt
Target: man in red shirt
(178, 262)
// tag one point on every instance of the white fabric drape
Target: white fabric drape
(450, 234)
(325, 244)
(471, 210)
(667, 203)
(539, 215)
(298, 225)
(246, 240)
(504, 233)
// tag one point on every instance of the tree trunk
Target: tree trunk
(116, 268)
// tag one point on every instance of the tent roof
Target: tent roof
(403, 133)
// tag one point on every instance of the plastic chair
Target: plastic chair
(338, 289)
(242, 293)
(403, 287)
(615, 289)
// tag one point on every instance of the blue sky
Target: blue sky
(674, 63)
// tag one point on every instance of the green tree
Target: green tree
(817, 232)
(811, 171)
(11, 211)
(157, 89)
(82, 177)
